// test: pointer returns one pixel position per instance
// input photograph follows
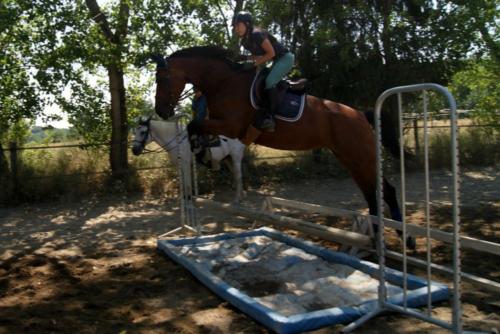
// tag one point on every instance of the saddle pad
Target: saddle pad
(291, 107)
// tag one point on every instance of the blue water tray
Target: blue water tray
(416, 296)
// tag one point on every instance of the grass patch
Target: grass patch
(67, 174)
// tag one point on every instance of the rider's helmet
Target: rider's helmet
(244, 17)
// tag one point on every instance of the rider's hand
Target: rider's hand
(241, 58)
(248, 65)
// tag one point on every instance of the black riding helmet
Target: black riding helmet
(244, 17)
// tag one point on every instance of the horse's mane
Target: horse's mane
(210, 52)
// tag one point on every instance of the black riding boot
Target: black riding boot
(275, 95)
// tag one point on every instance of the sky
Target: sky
(53, 110)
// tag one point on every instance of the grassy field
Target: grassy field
(69, 173)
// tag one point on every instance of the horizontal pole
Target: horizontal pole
(480, 281)
(333, 234)
(315, 208)
(412, 229)
(418, 315)
(327, 233)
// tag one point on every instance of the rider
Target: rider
(200, 113)
(264, 48)
(199, 105)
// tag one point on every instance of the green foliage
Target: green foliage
(59, 51)
(18, 132)
(207, 21)
(352, 51)
(476, 148)
(477, 88)
(19, 97)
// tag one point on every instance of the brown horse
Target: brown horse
(324, 124)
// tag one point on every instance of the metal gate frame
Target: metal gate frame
(383, 306)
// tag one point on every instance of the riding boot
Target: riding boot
(267, 122)
(275, 95)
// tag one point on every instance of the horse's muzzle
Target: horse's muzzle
(137, 149)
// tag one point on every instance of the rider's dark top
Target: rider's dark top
(253, 41)
(199, 107)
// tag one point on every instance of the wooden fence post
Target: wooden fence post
(14, 169)
(4, 167)
(415, 136)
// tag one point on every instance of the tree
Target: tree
(18, 94)
(114, 67)
(476, 88)
(352, 51)
(481, 17)
(214, 21)
(85, 66)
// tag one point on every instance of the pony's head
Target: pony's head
(142, 135)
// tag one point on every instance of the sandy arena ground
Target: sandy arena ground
(93, 267)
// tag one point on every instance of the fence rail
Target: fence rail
(57, 146)
(14, 157)
(22, 148)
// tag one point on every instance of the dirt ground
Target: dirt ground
(93, 267)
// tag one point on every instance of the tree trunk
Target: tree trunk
(4, 168)
(119, 137)
(119, 147)
(415, 137)
(386, 31)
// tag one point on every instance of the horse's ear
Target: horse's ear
(160, 61)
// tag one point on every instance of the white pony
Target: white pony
(171, 140)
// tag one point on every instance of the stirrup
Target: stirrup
(268, 124)
(195, 144)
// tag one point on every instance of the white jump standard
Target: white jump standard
(383, 303)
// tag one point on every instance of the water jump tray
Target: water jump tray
(288, 284)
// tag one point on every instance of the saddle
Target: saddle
(292, 103)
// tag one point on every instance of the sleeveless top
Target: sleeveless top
(253, 41)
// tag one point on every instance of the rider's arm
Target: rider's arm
(269, 53)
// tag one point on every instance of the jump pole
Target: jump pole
(411, 229)
(327, 233)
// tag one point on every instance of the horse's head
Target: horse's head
(142, 135)
(170, 82)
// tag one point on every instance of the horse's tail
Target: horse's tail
(390, 136)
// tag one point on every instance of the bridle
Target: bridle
(169, 146)
(163, 78)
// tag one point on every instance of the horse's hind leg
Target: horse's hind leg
(392, 201)
(363, 171)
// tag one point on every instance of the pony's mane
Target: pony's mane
(210, 52)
